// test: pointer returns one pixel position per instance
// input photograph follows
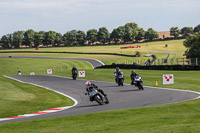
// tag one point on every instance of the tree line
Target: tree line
(129, 33)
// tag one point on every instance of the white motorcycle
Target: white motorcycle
(139, 82)
(96, 96)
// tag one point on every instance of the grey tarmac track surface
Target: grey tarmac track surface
(120, 97)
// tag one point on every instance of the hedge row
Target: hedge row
(154, 67)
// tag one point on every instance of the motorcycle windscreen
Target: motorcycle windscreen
(92, 92)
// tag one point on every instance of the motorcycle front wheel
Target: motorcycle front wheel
(99, 99)
(140, 86)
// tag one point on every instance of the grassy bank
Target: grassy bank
(155, 47)
(174, 118)
(19, 98)
(175, 48)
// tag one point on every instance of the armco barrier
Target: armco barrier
(153, 67)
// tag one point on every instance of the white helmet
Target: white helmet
(88, 83)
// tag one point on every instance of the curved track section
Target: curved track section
(94, 63)
(120, 97)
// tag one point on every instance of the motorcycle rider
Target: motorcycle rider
(74, 70)
(19, 73)
(90, 86)
(117, 72)
(133, 75)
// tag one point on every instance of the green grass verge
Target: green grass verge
(19, 98)
(10, 66)
(173, 118)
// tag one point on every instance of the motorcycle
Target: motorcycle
(74, 75)
(120, 80)
(96, 96)
(139, 82)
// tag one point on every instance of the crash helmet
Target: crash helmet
(132, 72)
(117, 69)
(88, 83)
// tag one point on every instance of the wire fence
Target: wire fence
(172, 61)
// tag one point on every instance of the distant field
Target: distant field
(175, 48)
(150, 47)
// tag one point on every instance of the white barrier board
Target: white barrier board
(49, 71)
(81, 73)
(168, 79)
(32, 73)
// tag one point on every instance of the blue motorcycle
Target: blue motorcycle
(139, 82)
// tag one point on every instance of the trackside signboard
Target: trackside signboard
(49, 71)
(32, 73)
(168, 79)
(81, 73)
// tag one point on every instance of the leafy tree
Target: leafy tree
(128, 34)
(39, 38)
(131, 31)
(140, 35)
(103, 35)
(92, 36)
(58, 40)
(121, 33)
(151, 34)
(197, 28)
(114, 36)
(174, 31)
(81, 37)
(7, 41)
(18, 37)
(70, 38)
(29, 37)
(186, 31)
(192, 43)
(50, 38)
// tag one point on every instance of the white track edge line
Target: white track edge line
(28, 115)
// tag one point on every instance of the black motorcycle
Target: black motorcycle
(74, 75)
(98, 97)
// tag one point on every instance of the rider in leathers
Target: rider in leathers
(90, 86)
(133, 75)
(117, 72)
(74, 71)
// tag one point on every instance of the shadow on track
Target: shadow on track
(128, 90)
(88, 106)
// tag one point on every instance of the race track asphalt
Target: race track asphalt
(120, 97)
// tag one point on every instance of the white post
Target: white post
(196, 61)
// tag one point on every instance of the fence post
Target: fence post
(196, 61)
